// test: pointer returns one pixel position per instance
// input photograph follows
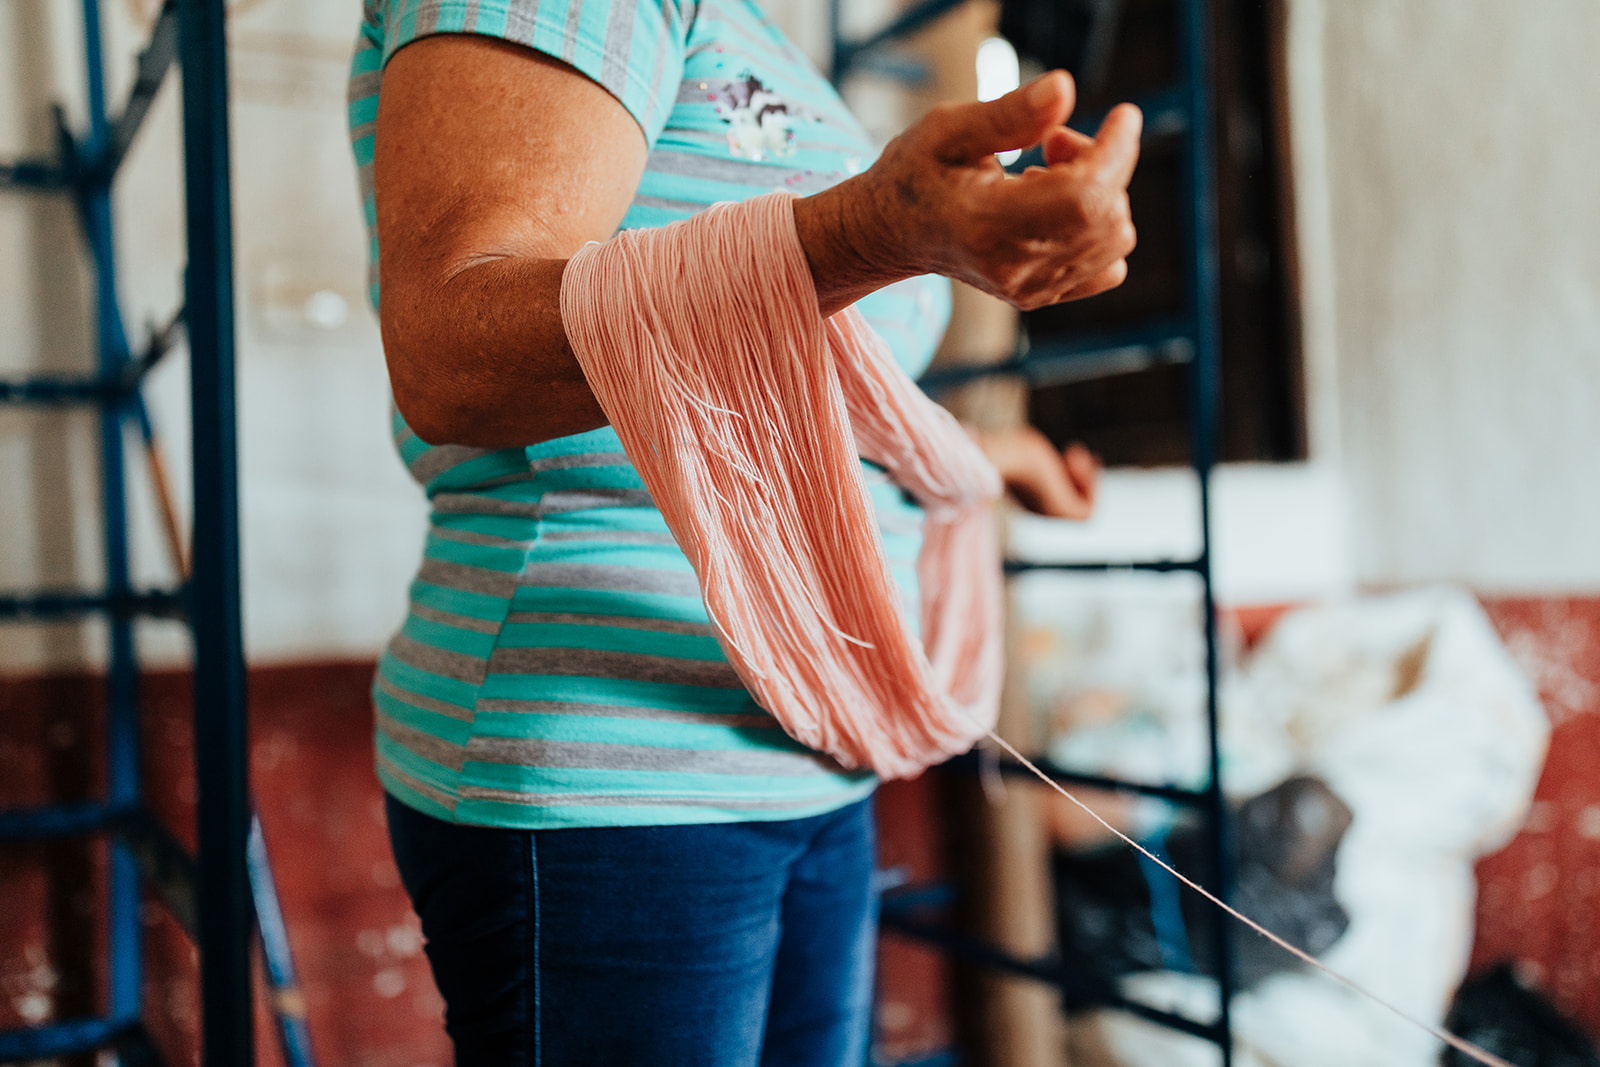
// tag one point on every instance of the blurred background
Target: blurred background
(1403, 519)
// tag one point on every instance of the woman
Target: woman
(616, 855)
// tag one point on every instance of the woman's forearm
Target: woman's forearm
(849, 244)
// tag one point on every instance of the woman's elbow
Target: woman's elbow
(432, 398)
(433, 420)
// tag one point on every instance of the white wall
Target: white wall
(1459, 260)
(332, 525)
(1446, 154)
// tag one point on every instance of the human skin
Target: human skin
(478, 209)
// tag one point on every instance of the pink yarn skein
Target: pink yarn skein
(744, 412)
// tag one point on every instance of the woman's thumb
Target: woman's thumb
(1016, 120)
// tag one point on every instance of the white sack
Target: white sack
(1410, 708)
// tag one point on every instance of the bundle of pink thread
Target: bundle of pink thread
(744, 412)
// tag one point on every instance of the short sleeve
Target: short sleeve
(634, 49)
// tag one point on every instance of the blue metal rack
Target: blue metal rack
(1184, 110)
(211, 893)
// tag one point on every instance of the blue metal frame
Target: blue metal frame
(1186, 110)
(211, 894)
(288, 1002)
(222, 772)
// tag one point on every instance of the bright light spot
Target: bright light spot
(389, 983)
(1589, 822)
(34, 1007)
(327, 309)
(998, 74)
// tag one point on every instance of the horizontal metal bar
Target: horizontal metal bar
(908, 70)
(909, 22)
(151, 69)
(1030, 157)
(80, 389)
(972, 949)
(917, 898)
(1097, 355)
(941, 1058)
(1063, 362)
(38, 175)
(64, 1038)
(1176, 794)
(165, 863)
(59, 820)
(1152, 566)
(157, 58)
(1165, 112)
(167, 866)
(161, 341)
(1077, 989)
(1212, 1032)
(28, 607)
(57, 390)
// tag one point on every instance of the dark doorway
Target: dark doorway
(1127, 50)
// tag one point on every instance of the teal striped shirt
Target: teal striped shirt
(557, 667)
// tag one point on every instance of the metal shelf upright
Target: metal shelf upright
(1184, 110)
(209, 893)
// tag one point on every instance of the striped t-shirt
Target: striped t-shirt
(557, 667)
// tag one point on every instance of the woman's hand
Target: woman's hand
(1060, 485)
(937, 201)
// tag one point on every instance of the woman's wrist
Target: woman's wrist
(851, 244)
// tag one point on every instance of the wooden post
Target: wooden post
(998, 845)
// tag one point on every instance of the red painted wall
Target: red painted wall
(365, 982)
(1539, 897)
(357, 946)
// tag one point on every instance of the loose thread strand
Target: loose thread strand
(1460, 1044)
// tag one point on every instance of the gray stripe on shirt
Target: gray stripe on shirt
(421, 743)
(467, 578)
(580, 459)
(620, 666)
(564, 500)
(364, 85)
(435, 660)
(601, 576)
(622, 622)
(618, 47)
(569, 36)
(438, 796)
(450, 618)
(599, 756)
(440, 458)
(600, 535)
(737, 720)
(662, 203)
(583, 800)
(473, 537)
(427, 17)
(426, 703)
(480, 504)
(682, 164)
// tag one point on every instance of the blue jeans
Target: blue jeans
(726, 945)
